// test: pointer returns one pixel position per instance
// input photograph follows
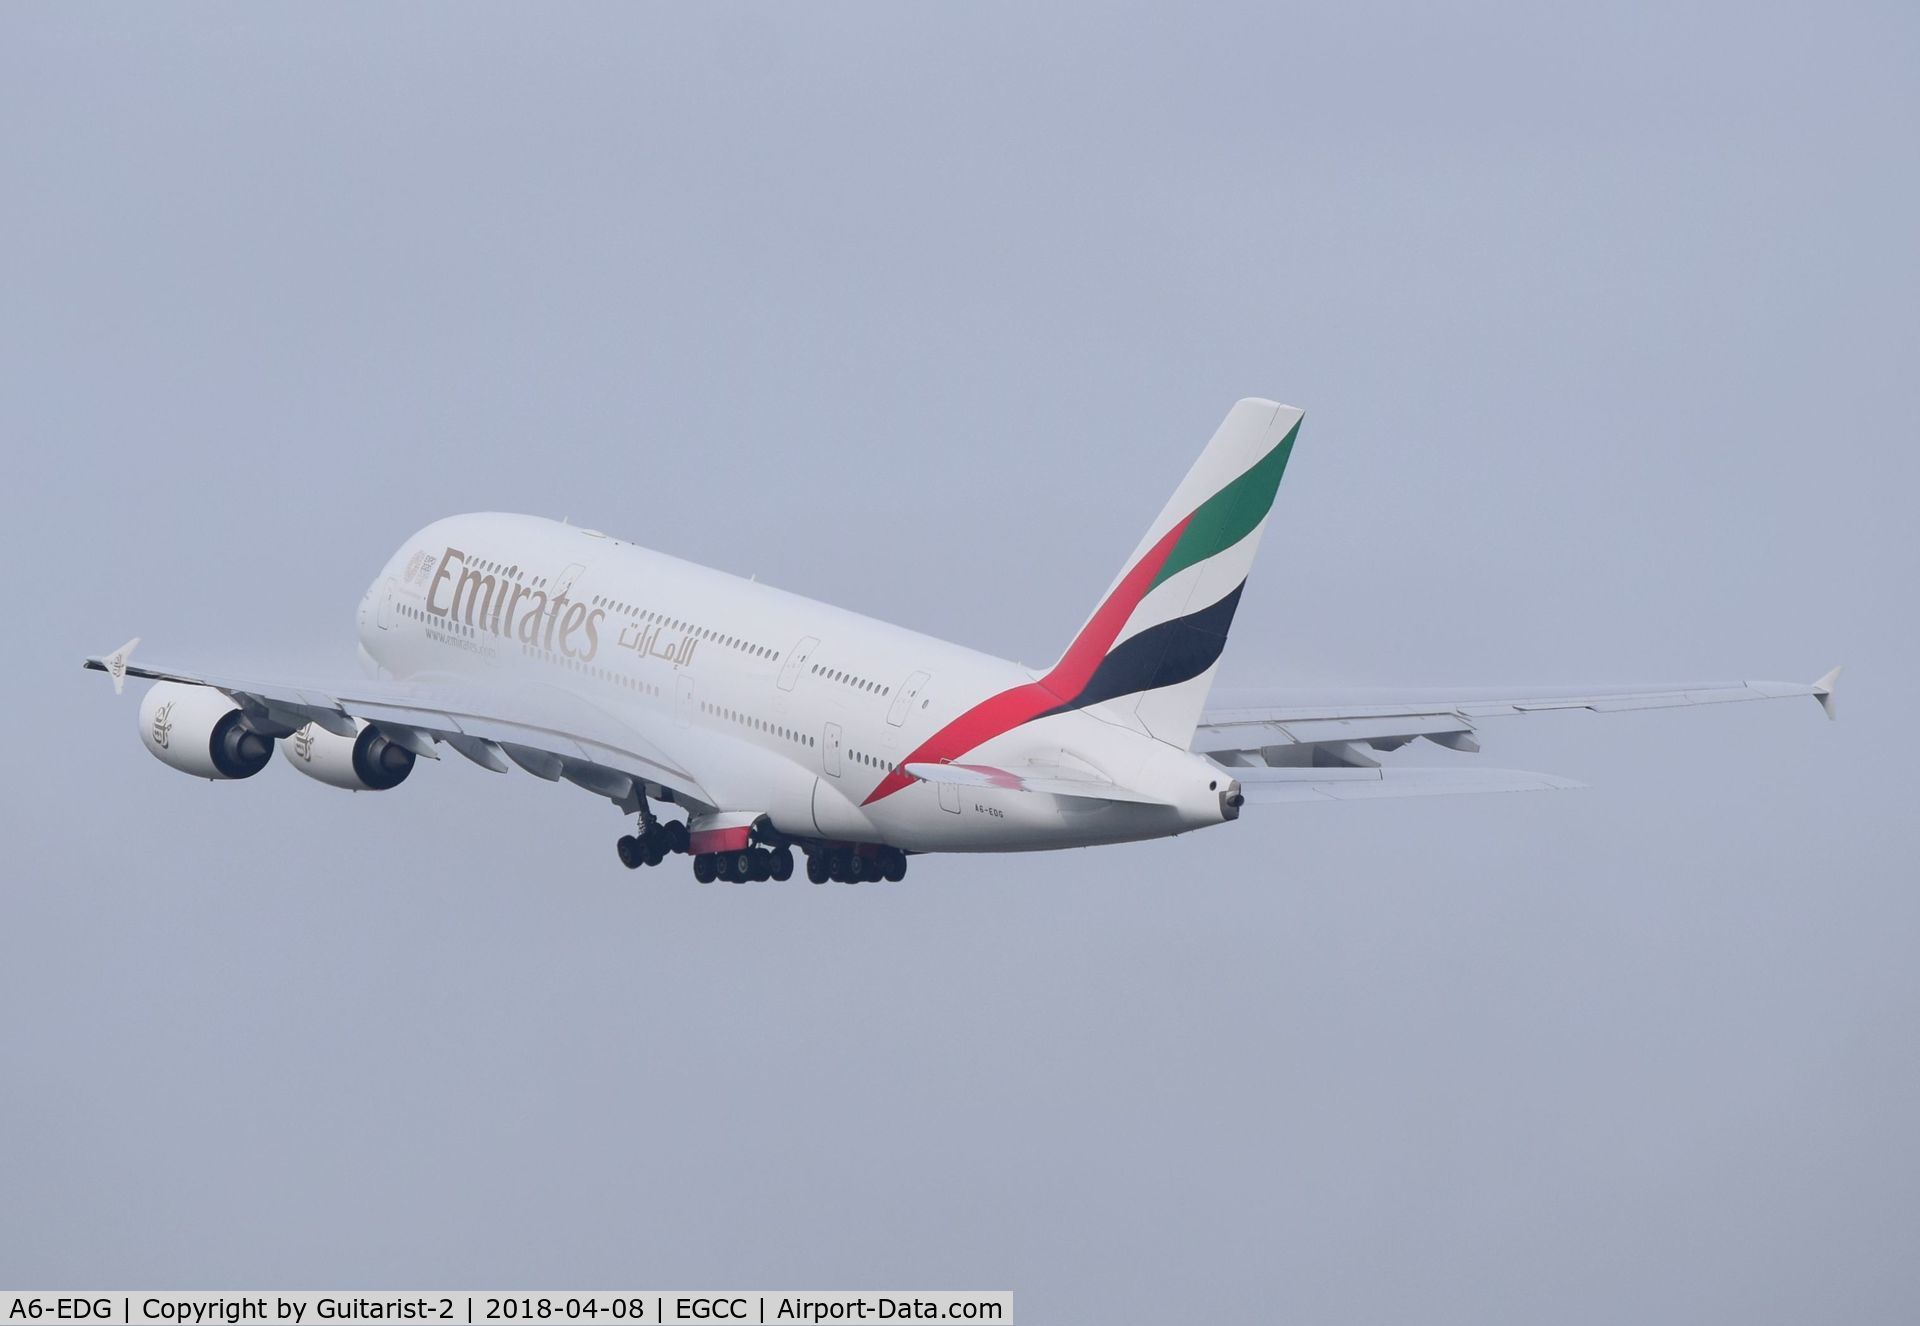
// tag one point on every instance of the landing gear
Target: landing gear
(749, 866)
(847, 865)
(656, 841)
(842, 863)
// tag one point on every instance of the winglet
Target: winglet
(116, 664)
(1823, 690)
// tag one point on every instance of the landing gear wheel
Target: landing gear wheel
(896, 866)
(740, 867)
(703, 867)
(817, 868)
(629, 849)
(653, 851)
(783, 864)
(675, 835)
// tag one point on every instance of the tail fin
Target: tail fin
(1147, 656)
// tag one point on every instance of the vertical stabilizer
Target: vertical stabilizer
(1147, 655)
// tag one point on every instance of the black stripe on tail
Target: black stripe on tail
(1163, 655)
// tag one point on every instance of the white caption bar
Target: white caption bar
(655, 1307)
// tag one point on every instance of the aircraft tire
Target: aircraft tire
(896, 865)
(817, 869)
(740, 867)
(703, 867)
(629, 849)
(783, 864)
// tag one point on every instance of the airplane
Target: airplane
(771, 723)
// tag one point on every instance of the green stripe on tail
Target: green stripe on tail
(1232, 513)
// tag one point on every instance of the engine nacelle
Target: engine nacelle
(364, 762)
(199, 731)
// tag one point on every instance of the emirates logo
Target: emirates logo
(163, 725)
(303, 743)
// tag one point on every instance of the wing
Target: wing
(1329, 730)
(550, 733)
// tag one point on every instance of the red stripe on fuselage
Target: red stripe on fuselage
(1010, 708)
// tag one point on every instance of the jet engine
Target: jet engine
(198, 730)
(365, 762)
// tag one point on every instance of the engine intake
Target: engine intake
(199, 731)
(364, 762)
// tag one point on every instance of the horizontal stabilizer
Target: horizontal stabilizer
(1264, 786)
(1029, 778)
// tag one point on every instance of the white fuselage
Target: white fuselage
(817, 705)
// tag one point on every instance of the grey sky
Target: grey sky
(1603, 323)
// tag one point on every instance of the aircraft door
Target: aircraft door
(904, 697)
(830, 749)
(386, 606)
(796, 659)
(683, 699)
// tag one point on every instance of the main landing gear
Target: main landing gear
(856, 865)
(842, 864)
(656, 840)
(748, 865)
(751, 862)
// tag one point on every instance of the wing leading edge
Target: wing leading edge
(550, 733)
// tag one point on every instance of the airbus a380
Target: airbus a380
(772, 723)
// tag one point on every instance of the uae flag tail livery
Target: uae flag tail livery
(1146, 657)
